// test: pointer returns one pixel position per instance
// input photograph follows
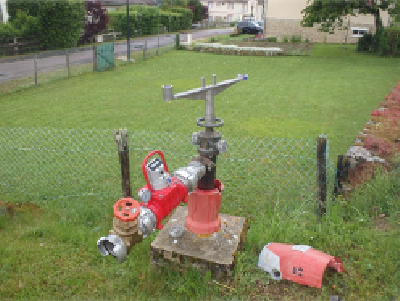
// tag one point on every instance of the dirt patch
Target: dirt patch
(11, 209)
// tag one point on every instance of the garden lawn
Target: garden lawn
(332, 91)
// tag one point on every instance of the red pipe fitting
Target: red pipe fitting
(203, 209)
(164, 201)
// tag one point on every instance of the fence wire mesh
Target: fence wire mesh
(44, 67)
(66, 168)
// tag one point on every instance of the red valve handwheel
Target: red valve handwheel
(126, 209)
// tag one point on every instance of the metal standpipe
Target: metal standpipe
(209, 141)
(204, 202)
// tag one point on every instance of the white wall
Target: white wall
(4, 10)
(291, 9)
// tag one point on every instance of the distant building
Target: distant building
(284, 17)
(234, 10)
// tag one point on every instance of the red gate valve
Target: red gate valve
(126, 209)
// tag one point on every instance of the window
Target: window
(230, 5)
(244, 8)
(210, 4)
(358, 32)
(219, 4)
(223, 3)
(209, 19)
(229, 18)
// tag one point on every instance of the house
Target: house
(234, 10)
(284, 16)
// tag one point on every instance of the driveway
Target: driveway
(12, 68)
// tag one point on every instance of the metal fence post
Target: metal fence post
(158, 44)
(67, 58)
(321, 175)
(144, 49)
(94, 59)
(35, 68)
(121, 138)
(15, 46)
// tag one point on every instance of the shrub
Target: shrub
(8, 32)
(60, 23)
(365, 42)
(389, 44)
(376, 41)
(272, 39)
(285, 40)
(232, 24)
(25, 25)
(295, 39)
(307, 40)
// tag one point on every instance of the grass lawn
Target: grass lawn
(53, 255)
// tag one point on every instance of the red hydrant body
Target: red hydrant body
(203, 209)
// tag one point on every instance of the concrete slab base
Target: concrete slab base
(216, 253)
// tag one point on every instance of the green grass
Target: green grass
(331, 91)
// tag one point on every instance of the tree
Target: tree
(394, 12)
(196, 7)
(330, 13)
(96, 21)
(205, 12)
(174, 3)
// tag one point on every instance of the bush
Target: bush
(295, 39)
(376, 41)
(285, 40)
(25, 26)
(389, 44)
(232, 24)
(272, 39)
(365, 42)
(307, 41)
(60, 23)
(187, 16)
(8, 32)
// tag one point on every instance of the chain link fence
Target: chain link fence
(24, 71)
(70, 168)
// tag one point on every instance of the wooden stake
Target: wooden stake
(321, 175)
(121, 138)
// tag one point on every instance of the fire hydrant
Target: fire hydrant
(195, 184)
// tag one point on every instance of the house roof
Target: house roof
(123, 2)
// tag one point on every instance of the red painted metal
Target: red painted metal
(164, 201)
(305, 267)
(126, 209)
(203, 209)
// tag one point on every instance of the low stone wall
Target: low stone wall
(359, 163)
(281, 28)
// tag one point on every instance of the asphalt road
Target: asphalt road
(12, 68)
